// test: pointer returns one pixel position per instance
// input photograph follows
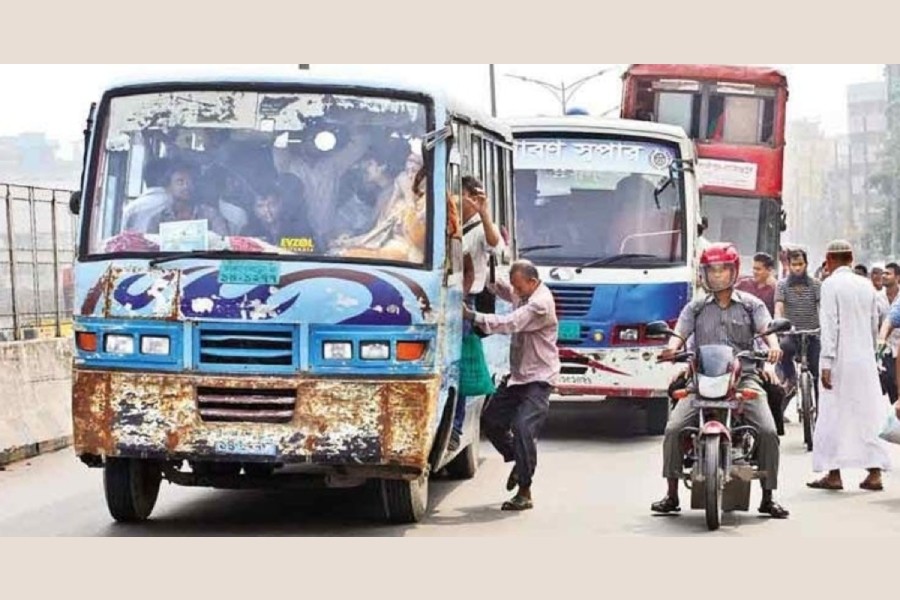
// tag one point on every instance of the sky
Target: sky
(54, 99)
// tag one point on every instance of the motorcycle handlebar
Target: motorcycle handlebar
(802, 332)
(680, 357)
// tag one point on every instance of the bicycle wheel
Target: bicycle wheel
(808, 401)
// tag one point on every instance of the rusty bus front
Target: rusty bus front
(268, 289)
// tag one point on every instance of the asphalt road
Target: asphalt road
(597, 475)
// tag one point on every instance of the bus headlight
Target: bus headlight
(155, 344)
(337, 350)
(118, 344)
(629, 334)
(374, 350)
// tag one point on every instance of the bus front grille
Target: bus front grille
(248, 406)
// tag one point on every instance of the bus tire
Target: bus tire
(465, 464)
(131, 487)
(657, 415)
(404, 501)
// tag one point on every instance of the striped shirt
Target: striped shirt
(801, 302)
(709, 323)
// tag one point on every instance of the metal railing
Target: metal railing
(37, 249)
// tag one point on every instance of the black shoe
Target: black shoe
(666, 505)
(773, 509)
(512, 481)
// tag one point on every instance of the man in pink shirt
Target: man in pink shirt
(516, 412)
(762, 284)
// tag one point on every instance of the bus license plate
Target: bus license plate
(569, 330)
(246, 447)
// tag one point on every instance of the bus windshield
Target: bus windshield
(592, 201)
(295, 174)
(751, 224)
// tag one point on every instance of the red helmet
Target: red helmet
(715, 255)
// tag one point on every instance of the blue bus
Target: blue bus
(609, 211)
(268, 287)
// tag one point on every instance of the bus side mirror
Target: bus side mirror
(658, 330)
(75, 202)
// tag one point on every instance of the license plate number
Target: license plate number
(574, 380)
(695, 403)
(246, 447)
(569, 330)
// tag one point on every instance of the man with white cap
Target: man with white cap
(851, 407)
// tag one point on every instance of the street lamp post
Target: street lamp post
(493, 91)
(564, 91)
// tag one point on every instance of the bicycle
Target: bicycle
(807, 403)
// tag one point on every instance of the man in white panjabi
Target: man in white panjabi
(851, 405)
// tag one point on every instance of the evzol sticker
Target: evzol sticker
(299, 244)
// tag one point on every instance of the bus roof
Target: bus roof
(587, 124)
(349, 85)
(730, 73)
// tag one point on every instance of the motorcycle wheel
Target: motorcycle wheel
(712, 476)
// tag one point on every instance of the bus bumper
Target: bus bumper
(365, 427)
(589, 375)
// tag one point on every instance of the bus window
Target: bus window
(740, 119)
(477, 169)
(682, 110)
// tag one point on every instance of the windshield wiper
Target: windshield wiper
(211, 254)
(608, 260)
(544, 247)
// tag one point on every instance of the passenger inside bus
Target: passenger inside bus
(221, 188)
(369, 188)
(279, 216)
(170, 197)
(399, 233)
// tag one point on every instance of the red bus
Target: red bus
(736, 117)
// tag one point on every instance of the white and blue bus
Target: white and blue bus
(609, 210)
(269, 287)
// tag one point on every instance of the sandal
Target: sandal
(872, 487)
(518, 503)
(824, 484)
(774, 510)
(512, 481)
(665, 506)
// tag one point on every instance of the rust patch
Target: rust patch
(101, 290)
(335, 422)
(92, 415)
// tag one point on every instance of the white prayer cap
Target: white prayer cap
(839, 247)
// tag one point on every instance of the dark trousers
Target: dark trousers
(790, 345)
(512, 421)
(756, 413)
(889, 377)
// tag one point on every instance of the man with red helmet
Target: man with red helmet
(730, 317)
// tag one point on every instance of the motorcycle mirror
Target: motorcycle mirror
(778, 326)
(658, 329)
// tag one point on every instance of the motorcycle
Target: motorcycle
(720, 451)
